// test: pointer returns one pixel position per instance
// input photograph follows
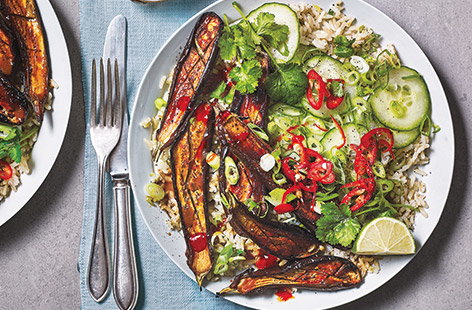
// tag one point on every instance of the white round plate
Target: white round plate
(439, 170)
(55, 122)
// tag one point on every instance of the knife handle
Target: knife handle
(125, 276)
(98, 277)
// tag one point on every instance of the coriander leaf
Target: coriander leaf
(228, 99)
(219, 91)
(10, 149)
(343, 41)
(228, 49)
(346, 231)
(244, 43)
(343, 51)
(246, 76)
(276, 35)
(343, 46)
(15, 153)
(336, 88)
(287, 84)
(249, 32)
(8, 132)
(337, 226)
(224, 97)
(234, 42)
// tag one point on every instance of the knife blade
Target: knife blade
(125, 278)
(115, 49)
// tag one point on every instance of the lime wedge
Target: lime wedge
(384, 236)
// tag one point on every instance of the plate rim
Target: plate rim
(51, 22)
(451, 134)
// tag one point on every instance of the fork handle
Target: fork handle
(99, 265)
(125, 277)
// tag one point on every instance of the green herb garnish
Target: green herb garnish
(247, 76)
(337, 226)
(288, 84)
(343, 46)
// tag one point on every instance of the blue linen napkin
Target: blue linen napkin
(162, 284)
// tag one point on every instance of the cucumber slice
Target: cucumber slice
(400, 138)
(404, 102)
(324, 112)
(333, 137)
(285, 109)
(328, 68)
(284, 15)
(404, 138)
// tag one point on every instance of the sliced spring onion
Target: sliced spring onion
(236, 258)
(361, 103)
(227, 255)
(213, 160)
(251, 204)
(359, 63)
(155, 192)
(258, 131)
(353, 78)
(225, 201)
(279, 178)
(160, 103)
(379, 169)
(267, 162)
(275, 196)
(368, 77)
(386, 186)
(339, 154)
(426, 127)
(231, 171)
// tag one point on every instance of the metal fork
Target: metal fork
(105, 134)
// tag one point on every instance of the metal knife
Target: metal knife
(125, 277)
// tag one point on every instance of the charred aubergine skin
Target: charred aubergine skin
(279, 239)
(252, 108)
(193, 66)
(246, 145)
(190, 181)
(321, 273)
(13, 104)
(8, 48)
(24, 19)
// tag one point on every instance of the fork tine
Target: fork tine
(102, 94)
(93, 96)
(118, 103)
(109, 99)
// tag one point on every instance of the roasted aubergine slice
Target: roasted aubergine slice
(25, 20)
(305, 211)
(13, 104)
(246, 145)
(8, 49)
(190, 181)
(252, 108)
(246, 186)
(279, 239)
(193, 66)
(321, 273)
